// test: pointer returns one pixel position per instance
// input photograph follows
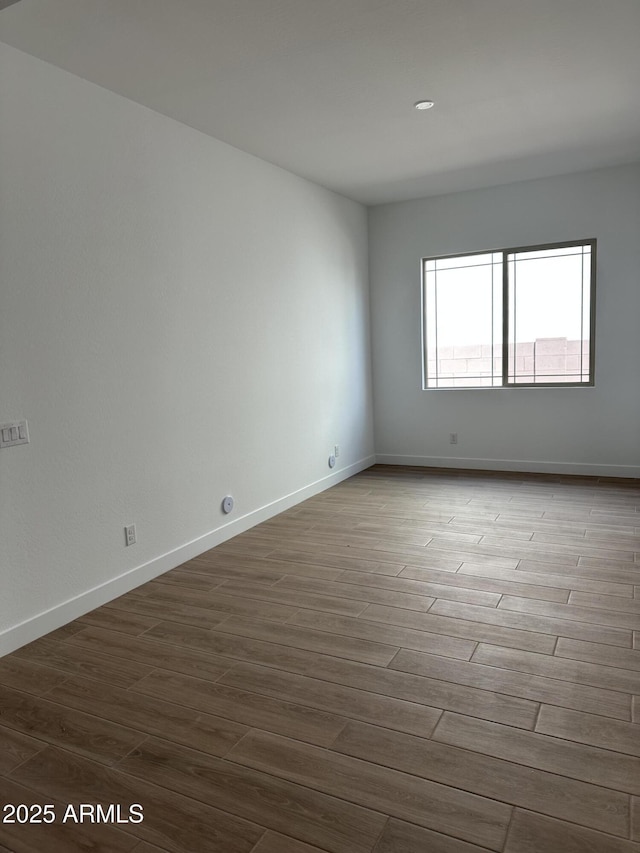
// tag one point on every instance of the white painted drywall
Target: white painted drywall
(581, 430)
(178, 321)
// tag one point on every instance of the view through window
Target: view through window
(522, 316)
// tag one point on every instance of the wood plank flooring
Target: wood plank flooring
(414, 661)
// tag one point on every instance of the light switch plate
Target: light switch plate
(14, 432)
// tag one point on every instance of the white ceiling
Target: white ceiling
(325, 88)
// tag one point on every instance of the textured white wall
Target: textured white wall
(582, 430)
(178, 320)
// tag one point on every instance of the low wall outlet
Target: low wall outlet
(130, 534)
(453, 438)
(336, 450)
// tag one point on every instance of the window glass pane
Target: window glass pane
(547, 328)
(511, 274)
(431, 338)
(463, 325)
(462, 261)
(547, 253)
(586, 316)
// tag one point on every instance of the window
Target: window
(513, 317)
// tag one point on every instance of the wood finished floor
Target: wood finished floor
(411, 662)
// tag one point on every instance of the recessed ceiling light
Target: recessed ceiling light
(424, 105)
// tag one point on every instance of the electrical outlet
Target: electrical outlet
(336, 450)
(130, 535)
(453, 438)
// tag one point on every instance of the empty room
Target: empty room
(319, 426)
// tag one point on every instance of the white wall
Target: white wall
(580, 430)
(178, 320)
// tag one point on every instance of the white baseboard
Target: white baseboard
(523, 465)
(31, 629)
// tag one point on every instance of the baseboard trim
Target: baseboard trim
(523, 465)
(31, 629)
